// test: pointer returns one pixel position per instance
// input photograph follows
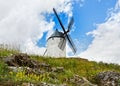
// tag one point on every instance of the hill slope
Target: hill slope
(68, 71)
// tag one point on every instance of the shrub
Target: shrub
(3, 71)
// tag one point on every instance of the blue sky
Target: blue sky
(92, 12)
(86, 15)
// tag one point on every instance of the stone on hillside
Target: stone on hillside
(17, 61)
(27, 84)
(45, 66)
(108, 78)
(23, 60)
(80, 81)
(58, 69)
(16, 69)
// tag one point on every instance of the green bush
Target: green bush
(3, 71)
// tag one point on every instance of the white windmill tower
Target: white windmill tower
(56, 43)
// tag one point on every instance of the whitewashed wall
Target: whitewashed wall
(52, 47)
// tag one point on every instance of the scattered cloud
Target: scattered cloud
(106, 43)
(117, 7)
(81, 2)
(23, 21)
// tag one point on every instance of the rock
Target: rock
(57, 69)
(41, 84)
(22, 61)
(27, 84)
(45, 66)
(109, 78)
(17, 60)
(16, 69)
(10, 61)
(80, 81)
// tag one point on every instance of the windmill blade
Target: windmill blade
(72, 46)
(45, 52)
(70, 24)
(65, 32)
(59, 20)
(62, 44)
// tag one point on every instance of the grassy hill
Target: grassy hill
(71, 67)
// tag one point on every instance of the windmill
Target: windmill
(56, 43)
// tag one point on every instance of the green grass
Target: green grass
(72, 66)
(6, 52)
(78, 66)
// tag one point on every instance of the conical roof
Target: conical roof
(57, 34)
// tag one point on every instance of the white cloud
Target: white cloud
(80, 2)
(68, 51)
(31, 48)
(23, 21)
(106, 43)
(117, 7)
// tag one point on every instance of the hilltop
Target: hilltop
(23, 69)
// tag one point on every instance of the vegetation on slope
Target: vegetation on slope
(72, 66)
(79, 66)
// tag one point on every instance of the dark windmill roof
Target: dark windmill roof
(57, 34)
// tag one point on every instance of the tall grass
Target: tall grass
(6, 49)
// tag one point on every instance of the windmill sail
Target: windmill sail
(59, 20)
(67, 36)
(45, 52)
(71, 44)
(62, 43)
(70, 24)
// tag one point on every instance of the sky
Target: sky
(28, 23)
